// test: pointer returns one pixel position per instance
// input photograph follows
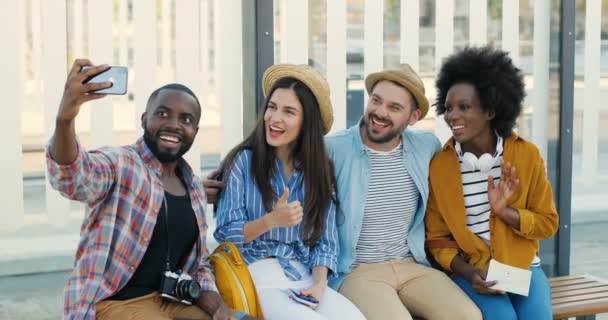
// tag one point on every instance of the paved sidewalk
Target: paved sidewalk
(32, 297)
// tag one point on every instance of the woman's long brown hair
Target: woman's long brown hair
(308, 153)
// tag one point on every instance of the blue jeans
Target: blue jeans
(537, 305)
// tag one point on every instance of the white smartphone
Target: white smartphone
(116, 75)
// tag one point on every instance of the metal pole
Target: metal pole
(258, 55)
(564, 192)
(264, 22)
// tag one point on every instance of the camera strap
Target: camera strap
(166, 215)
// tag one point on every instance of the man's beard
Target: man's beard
(165, 157)
(390, 135)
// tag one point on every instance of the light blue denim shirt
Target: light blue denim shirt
(352, 169)
(241, 202)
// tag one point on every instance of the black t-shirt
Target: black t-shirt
(183, 232)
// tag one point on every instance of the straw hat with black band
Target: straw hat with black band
(311, 78)
(405, 77)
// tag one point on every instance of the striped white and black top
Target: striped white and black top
(475, 189)
(391, 203)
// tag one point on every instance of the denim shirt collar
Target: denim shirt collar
(297, 170)
(359, 145)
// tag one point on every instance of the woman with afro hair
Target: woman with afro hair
(490, 198)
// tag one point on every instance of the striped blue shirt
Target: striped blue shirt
(241, 202)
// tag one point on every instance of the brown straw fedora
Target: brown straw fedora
(309, 76)
(406, 77)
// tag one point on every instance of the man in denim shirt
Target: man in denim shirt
(382, 182)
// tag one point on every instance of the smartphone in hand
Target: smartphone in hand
(116, 75)
(308, 301)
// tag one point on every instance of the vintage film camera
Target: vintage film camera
(179, 287)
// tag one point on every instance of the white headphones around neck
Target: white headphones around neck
(484, 163)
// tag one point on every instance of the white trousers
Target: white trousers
(271, 282)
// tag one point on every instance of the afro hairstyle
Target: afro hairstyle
(499, 84)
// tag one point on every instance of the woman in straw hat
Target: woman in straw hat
(279, 204)
(490, 196)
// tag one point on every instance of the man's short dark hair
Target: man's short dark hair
(176, 87)
(499, 84)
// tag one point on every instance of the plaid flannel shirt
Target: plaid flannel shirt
(123, 192)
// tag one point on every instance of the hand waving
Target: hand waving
(499, 195)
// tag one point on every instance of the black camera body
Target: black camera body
(179, 287)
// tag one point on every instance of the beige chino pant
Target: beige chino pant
(148, 307)
(400, 289)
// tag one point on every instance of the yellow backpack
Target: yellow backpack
(234, 281)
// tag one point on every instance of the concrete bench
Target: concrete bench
(578, 296)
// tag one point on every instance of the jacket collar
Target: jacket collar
(358, 141)
(146, 154)
(449, 145)
(154, 164)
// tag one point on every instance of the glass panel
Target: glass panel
(589, 249)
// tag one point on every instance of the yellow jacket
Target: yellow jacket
(446, 217)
